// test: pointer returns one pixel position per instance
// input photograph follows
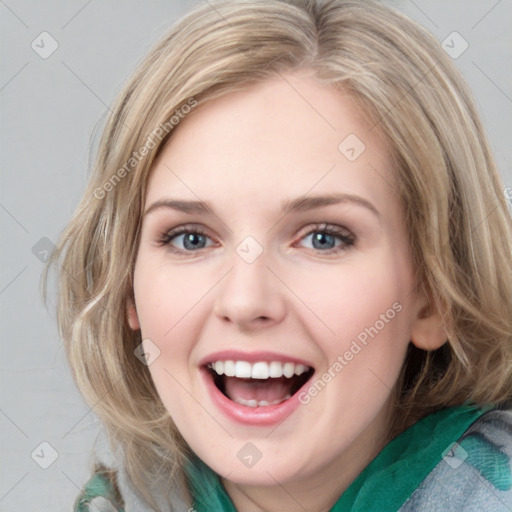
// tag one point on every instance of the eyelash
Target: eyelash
(347, 240)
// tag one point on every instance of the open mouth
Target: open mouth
(259, 384)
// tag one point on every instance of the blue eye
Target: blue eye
(322, 240)
(329, 239)
(190, 240)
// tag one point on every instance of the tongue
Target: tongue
(269, 390)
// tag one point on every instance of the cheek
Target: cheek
(366, 308)
(352, 297)
(166, 297)
(172, 306)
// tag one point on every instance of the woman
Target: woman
(288, 283)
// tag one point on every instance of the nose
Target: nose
(250, 296)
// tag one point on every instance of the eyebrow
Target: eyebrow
(301, 204)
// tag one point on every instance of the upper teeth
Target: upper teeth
(259, 370)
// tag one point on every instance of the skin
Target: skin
(245, 153)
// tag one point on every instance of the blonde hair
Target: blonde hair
(459, 225)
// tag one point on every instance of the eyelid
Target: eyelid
(184, 228)
(326, 226)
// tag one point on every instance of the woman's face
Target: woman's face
(294, 261)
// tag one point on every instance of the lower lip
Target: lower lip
(260, 416)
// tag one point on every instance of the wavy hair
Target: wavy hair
(459, 226)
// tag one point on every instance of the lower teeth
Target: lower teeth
(261, 403)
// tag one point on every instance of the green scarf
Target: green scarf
(385, 484)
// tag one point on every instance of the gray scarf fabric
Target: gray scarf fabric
(462, 483)
(132, 500)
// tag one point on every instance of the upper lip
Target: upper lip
(252, 357)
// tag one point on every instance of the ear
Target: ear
(427, 332)
(131, 312)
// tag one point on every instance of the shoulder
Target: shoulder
(475, 473)
(110, 490)
(100, 493)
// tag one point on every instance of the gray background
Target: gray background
(51, 111)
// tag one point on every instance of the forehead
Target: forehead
(276, 139)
